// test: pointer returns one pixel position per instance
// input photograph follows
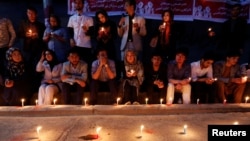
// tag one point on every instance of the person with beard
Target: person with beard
(56, 38)
(50, 83)
(16, 79)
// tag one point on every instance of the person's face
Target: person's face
(102, 55)
(102, 18)
(74, 58)
(53, 22)
(129, 8)
(31, 15)
(78, 5)
(235, 11)
(207, 63)
(166, 17)
(48, 56)
(16, 56)
(130, 57)
(180, 58)
(156, 60)
(232, 60)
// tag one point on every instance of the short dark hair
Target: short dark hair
(32, 9)
(73, 51)
(182, 50)
(233, 53)
(208, 55)
(131, 2)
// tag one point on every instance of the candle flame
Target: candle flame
(209, 29)
(85, 99)
(22, 99)
(98, 129)
(185, 126)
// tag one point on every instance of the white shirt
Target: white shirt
(76, 22)
(196, 71)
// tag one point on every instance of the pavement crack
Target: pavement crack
(64, 135)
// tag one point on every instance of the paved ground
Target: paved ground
(118, 123)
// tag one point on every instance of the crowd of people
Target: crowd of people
(69, 61)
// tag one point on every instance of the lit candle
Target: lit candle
(164, 24)
(85, 101)
(161, 100)
(209, 29)
(133, 21)
(244, 78)
(98, 129)
(30, 31)
(102, 29)
(185, 129)
(198, 100)
(189, 78)
(225, 101)
(38, 131)
(236, 123)
(36, 102)
(142, 127)
(215, 79)
(146, 100)
(22, 100)
(54, 101)
(132, 71)
(246, 99)
(117, 100)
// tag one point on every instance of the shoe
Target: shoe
(136, 103)
(128, 103)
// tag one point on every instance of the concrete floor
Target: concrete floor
(118, 123)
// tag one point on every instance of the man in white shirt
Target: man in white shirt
(202, 79)
(79, 25)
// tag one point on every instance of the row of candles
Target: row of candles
(118, 99)
(98, 129)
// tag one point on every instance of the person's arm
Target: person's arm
(12, 33)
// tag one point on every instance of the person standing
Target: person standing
(79, 25)
(57, 38)
(7, 39)
(131, 29)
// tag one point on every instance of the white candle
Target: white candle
(185, 129)
(198, 100)
(146, 100)
(225, 101)
(117, 100)
(22, 100)
(54, 101)
(85, 101)
(170, 101)
(36, 102)
(246, 99)
(161, 100)
(38, 131)
(142, 127)
(98, 129)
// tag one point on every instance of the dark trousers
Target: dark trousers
(224, 90)
(72, 94)
(130, 93)
(3, 59)
(154, 94)
(12, 96)
(202, 91)
(94, 88)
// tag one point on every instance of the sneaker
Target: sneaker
(136, 103)
(128, 103)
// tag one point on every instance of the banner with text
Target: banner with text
(186, 10)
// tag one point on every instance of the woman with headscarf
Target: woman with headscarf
(133, 76)
(50, 83)
(16, 79)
